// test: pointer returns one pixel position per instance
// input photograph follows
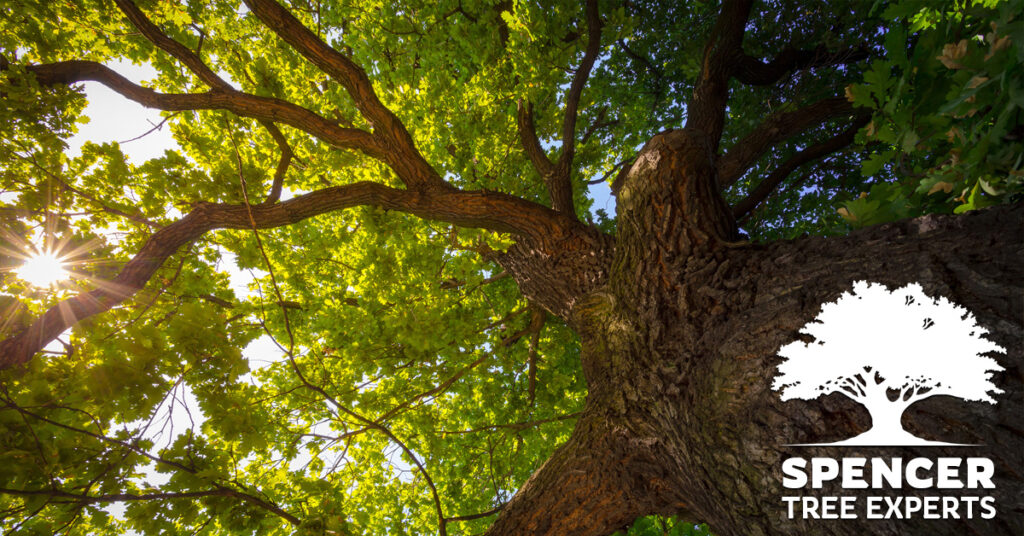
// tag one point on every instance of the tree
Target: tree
(875, 341)
(460, 347)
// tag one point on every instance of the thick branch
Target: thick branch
(776, 128)
(401, 155)
(754, 72)
(351, 76)
(558, 175)
(243, 104)
(491, 210)
(531, 144)
(706, 109)
(572, 98)
(172, 47)
(769, 184)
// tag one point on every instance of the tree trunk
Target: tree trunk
(679, 351)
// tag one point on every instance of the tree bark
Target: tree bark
(679, 352)
(679, 323)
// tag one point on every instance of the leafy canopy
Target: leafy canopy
(400, 377)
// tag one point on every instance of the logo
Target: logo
(887, 350)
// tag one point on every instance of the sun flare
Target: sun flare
(43, 270)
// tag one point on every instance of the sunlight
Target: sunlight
(43, 270)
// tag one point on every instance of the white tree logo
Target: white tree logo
(887, 350)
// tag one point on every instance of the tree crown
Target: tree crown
(365, 162)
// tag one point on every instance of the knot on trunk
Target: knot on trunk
(557, 273)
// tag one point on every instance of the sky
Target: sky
(113, 118)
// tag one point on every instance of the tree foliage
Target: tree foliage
(948, 111)
(367, 173)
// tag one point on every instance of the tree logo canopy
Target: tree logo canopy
(887, 350)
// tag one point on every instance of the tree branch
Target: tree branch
(246, 497)
(351, 76)
(243, 104)
(776, 128)
(754, 72)
(490, 210)
(599, 123)
(847, 391)
(282, 165)
(768, 185)
(471, 517)
(531, 144)
(494, 211)
(402, 155)
(558, 175)
(172, 47)
(572, 98)
(858, 387)
(433, 391)
(537, 320)
(706, 109)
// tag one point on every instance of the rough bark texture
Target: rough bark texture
(679, 323)
(679, 354)
(556, 273)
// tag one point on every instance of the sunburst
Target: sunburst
(43, 269)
